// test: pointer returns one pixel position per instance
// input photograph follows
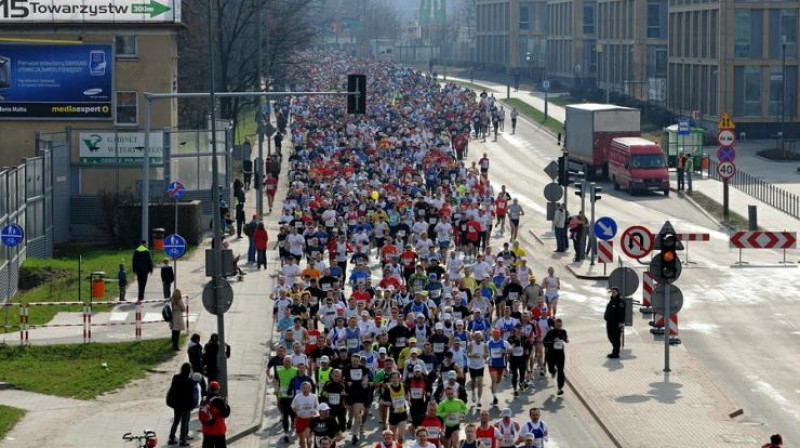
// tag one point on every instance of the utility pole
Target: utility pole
(783, 99)
(260, 116)
(216, 253)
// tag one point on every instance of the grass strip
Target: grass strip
(9, 417)
(536, 115)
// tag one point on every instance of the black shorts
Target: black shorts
(475, 373)
(396, 419)
(417, 414)
(449, 430)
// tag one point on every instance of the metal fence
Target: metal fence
(766, 192)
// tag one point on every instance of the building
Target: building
(86, 68)
(728, 57)
(511, 35)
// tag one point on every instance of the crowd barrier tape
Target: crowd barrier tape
(86, 323)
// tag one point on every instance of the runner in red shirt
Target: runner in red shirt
(486, 432)
(433, 424)
(500, 208)
(473, 237)
(271, 185)
(388, 251)
(409, 260)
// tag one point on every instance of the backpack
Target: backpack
(250, 228)
(205, 414)
(166, 312)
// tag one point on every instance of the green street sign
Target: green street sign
(153, 8)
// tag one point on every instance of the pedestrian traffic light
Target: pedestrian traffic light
(595, 193)
(357, 104)
(670, 269)
(563, 171)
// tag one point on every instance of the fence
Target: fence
(766, 192)
(85, 322)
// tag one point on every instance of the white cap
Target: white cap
(447, 317)
(438, 326)
(382, 350)
(323, 407)
(365, 313)
(325, 359)
(418, 368)
(506, 413)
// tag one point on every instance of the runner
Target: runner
(452, 411)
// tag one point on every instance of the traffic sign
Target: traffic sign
(726, 137)
(605, 228)
(546, 85)
(636, 241)
(624, 279)
(12, 235)
(553, 192)
(726, 122)
(675, 299)
(764, 240)
(683, 126)
(176, 190)
(225, 294)
(605, 251)
(726, 170)
(726, 154)
(665, 229)
(174, 246)
(552, 170)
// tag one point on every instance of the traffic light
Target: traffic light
(595, 193)
(357, 104)
(670, 265)
(563, 171)
(580, 188)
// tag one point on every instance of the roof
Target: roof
(596, 107)
(635, 141)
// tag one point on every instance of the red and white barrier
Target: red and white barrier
(605, 251)
(648, 285)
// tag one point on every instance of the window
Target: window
(775, 91)
(127, 108)
(127, 46)
(653, 21)
(588, 19)
(752, 91)
(742, 34)
(524, 17)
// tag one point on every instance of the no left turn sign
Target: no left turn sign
(637, 241)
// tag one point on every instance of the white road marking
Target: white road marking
(699, 327)
(152, 317)
(783, 403)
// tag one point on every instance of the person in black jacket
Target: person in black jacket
(167, 278)
(210, 352)
(615, 321)
(181, 399)
(554, 342)
(195, 352)
(142, 266)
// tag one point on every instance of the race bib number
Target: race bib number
(416, 393)
(496, 353)
(558, 345)
(399, 404)
(487, 442)
(453, 419)
(436, 293)
(356, 374)
(401, 342)
(518, 351)
(352, 343)
(508, 440)
(513, 295)
(433, 432)
(401, 233)
(438, 347)
(334, 399)
(326, 287)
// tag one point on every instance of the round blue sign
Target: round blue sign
(174, 246)
(726, 154)
(605, 228)
(12, 235)
(176, 190)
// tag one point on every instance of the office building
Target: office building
(512, 36)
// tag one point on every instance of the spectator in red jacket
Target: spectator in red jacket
(261, 238)
(214, 432)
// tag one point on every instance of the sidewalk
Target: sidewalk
(641, 406)
(140, 405)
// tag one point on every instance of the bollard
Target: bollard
(752, 218)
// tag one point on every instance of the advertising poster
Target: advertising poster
(56, 82)
(119, 148)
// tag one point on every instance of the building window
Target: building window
(752, 91)
(588, 19)
(127, 46)
(653, 21)
(742, 33)
(127, 108)
(788, 31)
(524, 18)
(775, 91)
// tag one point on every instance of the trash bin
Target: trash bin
(158, 238)
(98, 285)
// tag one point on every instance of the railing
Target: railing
(766, 192)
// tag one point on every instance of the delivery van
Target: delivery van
(636, 165)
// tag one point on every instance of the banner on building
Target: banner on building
(119, 148)
(56, 82)
(90, 11)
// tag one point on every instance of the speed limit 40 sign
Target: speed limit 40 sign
(726, 170)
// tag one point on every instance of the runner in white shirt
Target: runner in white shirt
(291, 271)
(481, 269)
(454, 266)
(305, 406)
(552, 286)
(523, 272)
(477, 352)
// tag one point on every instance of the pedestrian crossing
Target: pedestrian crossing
(123, 316)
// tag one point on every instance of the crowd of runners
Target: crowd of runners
(402, 282)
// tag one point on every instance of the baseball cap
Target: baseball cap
(213, 385)
(506, 413)
(447, 317)
(382, 350)
(415, 351)
(323, 407)
(418, 368)
(438, 326)
(530, 436)
(325, 359)
(365, 313)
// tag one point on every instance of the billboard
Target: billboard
(120, 148)
(56, 82)
(90, 11)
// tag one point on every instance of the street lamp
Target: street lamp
(783, 96)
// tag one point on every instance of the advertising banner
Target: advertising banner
(90, 11)
(119, 148)
(56, 82)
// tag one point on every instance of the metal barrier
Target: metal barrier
(86, 323)
(766, 192)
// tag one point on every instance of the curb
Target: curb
(6, 386)
(600, 422)
(585, 277)
(702, 210)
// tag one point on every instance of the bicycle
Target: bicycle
(147, 440)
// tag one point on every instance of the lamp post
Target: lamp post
(783, 96)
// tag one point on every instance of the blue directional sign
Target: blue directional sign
(683, 126)
(12, 235)
(174, 246)
(176, 190)
(605, 228)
